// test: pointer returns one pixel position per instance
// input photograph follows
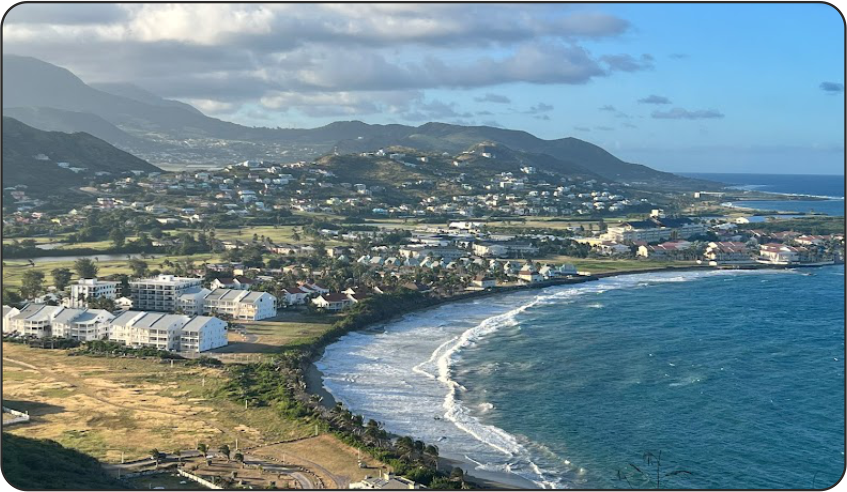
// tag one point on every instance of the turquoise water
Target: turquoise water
(794, 184)
(823, 186)
(737, 377)
(828, 207)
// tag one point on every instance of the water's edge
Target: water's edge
(315, 381)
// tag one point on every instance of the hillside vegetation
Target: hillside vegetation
(38, 464)
(44, 178)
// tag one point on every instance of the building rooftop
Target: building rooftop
(197, 323)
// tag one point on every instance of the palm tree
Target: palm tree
(430, 454)
(224, 450)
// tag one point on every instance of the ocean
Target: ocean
(830, 187)
(736, 377)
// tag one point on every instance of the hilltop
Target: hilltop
(164, 131)
(54, 163)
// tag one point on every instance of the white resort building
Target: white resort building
(90, 288)
(138, 329)
(82, 324)
(160, 293)
(202, 333)
(33, 320)
(240, 304)
(172, 332)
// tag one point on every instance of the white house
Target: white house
(294, 296)
(333, 302)
(484, 282)
(779, 254)
(123, 303)
(529, 275)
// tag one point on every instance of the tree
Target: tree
(155, 455)
(32, 283)
(238, 457)
(11, 298)
(224, 450)
(117, 237)
(139, 267)
(85, 268)
(61, 277)
(202, 448)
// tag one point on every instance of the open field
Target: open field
(614, 265)
(14, 269)
(114, 408)
(107, 407)
(289, 327)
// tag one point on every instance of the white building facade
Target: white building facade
(160, 293)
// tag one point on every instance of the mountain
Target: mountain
(29, 82)
(31, 158)
(174, 133)
(60, 120)
(132, 91)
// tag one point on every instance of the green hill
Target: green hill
(52, 97)
(31, 158)
(36, 464)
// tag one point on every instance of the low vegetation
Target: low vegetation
(33, 464)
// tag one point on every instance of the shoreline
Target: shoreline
(314, 381)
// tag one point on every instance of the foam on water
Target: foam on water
(421, 351)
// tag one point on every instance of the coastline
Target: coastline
(489, 479)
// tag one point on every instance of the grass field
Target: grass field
(114, 408)
(269, 336)
(615, 265)
(13, 269)
(108, 406)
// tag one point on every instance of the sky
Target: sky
(678, 87)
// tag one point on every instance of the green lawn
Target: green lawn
(13, 269)
(594, 265)
(289, 328)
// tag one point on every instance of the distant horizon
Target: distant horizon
(683, 87)
(765, 174)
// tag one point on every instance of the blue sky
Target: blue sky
(680, 87)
